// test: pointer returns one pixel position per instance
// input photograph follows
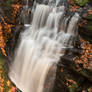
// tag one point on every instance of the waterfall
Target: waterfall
(41, 47)
(25, 15)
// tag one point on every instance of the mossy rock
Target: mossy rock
(86, 30)
(90, 2)
(89, 18)
(81, 2)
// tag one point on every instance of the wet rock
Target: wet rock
(72, 79)
(90, 2)
(6, 7)
(25, 16)
(89, 18)
(1, 12)
(13, 41)
(86, 31)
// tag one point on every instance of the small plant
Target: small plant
(81, 2)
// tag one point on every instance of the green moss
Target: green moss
(89, 17)
(81, 2)
(4, 74)
(1, 61)
(73, 88)
(88, 27)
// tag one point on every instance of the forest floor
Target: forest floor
(5, 84)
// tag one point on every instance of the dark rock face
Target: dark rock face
(6, 7)
(90, 2)
(85, 30)
(69, 77)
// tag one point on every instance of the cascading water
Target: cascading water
(41, 47)
(25, 15)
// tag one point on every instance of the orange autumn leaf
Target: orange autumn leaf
(71, 1)
(12, 89)
(5, 28)
(86, 55)
(73, 8)
(1, 89)
(3, 51)
(8, 83)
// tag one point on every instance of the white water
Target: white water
(40, 49)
